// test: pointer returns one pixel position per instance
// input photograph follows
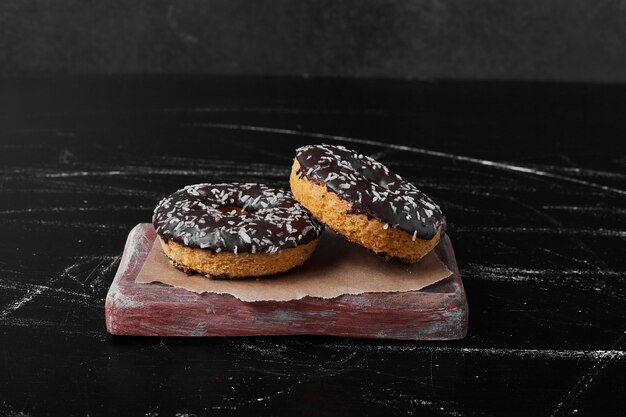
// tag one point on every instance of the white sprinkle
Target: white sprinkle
(415, 235)
(386, 226)
(331, 177)
(244, 236)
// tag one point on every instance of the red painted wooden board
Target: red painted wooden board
(437, 312)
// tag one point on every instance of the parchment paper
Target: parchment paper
(337, 267)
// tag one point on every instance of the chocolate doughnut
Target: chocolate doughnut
(361, 199)
(235, 230)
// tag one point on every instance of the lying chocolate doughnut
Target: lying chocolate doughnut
(235, 230)
(361, 199)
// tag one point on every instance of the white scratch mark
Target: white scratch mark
(484, 162)
(75, 209)
(503, 272)
(595, 210)
(583, 383)
(544, 230)
(34, 292)
(551, 354)
(25, 299)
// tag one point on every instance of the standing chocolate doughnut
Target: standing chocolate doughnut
(365, 202)
(235, 230)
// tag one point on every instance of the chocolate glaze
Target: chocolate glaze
(272, 220)
(371, 189)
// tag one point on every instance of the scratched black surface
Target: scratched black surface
(532, 178)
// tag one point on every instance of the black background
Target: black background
(573, 40)
(539, 237)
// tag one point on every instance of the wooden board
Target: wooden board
(437, 312)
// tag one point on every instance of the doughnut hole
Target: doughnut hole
(238, 210)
